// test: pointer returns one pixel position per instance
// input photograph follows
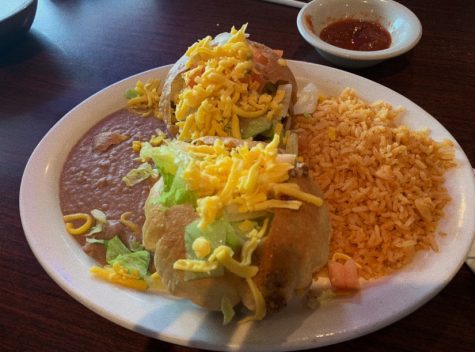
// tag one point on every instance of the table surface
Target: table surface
(76, 48)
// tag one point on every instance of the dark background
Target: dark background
(76, 48)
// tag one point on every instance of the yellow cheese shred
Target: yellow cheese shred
(124, 220)
(195, 265)
(260, 310)
(248, 249)
(219, 88)
(243, 178)
(155, 282)
(235, 129)
(117, 276)
(276, 203)
(247, 225)
(201, 247)
(287, 189)
(249, 114)
(224, 255)
(81, 230)
(148, 96)
(341, 256)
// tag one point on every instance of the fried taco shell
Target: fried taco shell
(296, 246)
(268, 67)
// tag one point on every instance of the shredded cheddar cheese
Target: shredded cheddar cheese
(195, 265)
(242, 179)
(224, 255)
(289, 189)
(155, 282)
(124, 219)
(248, 249)
(238, 182)
(147, 99)
(337, 256)
(247, 225)
(81, 230)
(260, 310)
(136, 146)
(201, 247)
(118, 275)
(220, 89)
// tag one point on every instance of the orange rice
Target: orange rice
(384, 183)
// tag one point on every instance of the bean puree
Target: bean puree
(92, 176)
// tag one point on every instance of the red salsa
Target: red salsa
(354, 34)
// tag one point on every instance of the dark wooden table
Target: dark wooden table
(76, 48)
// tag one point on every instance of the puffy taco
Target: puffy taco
(234, 222)
(228, 86)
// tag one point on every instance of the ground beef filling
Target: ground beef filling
(92, 176)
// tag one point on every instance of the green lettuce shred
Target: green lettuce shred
(177, 193)
(252, 127)
(135, 245)
(227, 309)
(221, 232)
(117, 252)
(141, 173)
(171, 162)
(101, 220)
(131, 93)
(95, 241)
(166, 157)
(114, 248)
(134, 261)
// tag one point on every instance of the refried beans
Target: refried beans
(92, 176)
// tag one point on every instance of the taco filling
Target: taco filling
(228, 86)
(234, 224)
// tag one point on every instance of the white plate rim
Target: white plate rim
(42, 162)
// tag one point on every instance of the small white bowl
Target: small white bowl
(403, 25)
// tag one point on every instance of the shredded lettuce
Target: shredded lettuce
(131, 93)
(171, 162)
(262, 125)
(135, 245)
(166, 157)
(287, 88)
(141, 173)
(270, 88)
(133, 262)
(99, 215)
(221, 232)
(234, 236)
(101, 221)
(214, 234)
(227, 310)
(222, 38)
(177, 193)
(253, 127)
(114, 248)
(307, 100)
(95, 241)
(292, 145)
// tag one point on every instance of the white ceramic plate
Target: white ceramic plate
(177, 321)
